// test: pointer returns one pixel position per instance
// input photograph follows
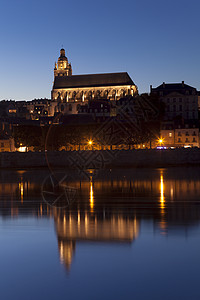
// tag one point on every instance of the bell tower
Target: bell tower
(62, 67)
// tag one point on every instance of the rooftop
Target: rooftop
(92, 80)
(167, 88)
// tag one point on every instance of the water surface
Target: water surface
(127, 234)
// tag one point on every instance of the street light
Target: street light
(160, 141)
(90, 142)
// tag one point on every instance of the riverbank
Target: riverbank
(101, 159)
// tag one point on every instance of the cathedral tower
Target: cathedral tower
(62, 67)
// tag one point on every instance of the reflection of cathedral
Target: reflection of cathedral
(70, 90)
(66, 250)
(92, 227)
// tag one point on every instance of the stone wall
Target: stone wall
(99, 159)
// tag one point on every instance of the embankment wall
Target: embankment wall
(99, 159)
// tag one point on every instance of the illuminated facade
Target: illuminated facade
(180, 137)
(69, 90)
(7, 145)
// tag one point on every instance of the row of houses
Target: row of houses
(179, 122)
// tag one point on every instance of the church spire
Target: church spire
(62, 68)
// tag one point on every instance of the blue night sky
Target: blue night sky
(154, 41)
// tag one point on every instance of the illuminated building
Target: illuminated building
(71, 90)
(180, 137)
(6, 144)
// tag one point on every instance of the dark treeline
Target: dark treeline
(56, 136)
(137, 122)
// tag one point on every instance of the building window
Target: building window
(180, 99)
(179, 133)
(194, 140)
(186, 140)
(179, 140)
(187, 134)
(180, 107)
(2, 145)
(194, 133)
(170, 134)
(174, 99)
(174, 107)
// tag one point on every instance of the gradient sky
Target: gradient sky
(154, 41)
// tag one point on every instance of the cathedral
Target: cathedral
(69, 90)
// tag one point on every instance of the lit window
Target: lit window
(170, 134)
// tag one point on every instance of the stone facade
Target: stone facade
(180, 100)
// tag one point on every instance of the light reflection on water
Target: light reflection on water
(118, 209)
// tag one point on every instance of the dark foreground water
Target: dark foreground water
(124, 234)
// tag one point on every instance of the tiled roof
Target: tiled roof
(92, 80)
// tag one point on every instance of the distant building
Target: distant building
(70, 90)
(180, 125)
(180, 99)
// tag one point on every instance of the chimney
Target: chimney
(163, 85)
(182, 83)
